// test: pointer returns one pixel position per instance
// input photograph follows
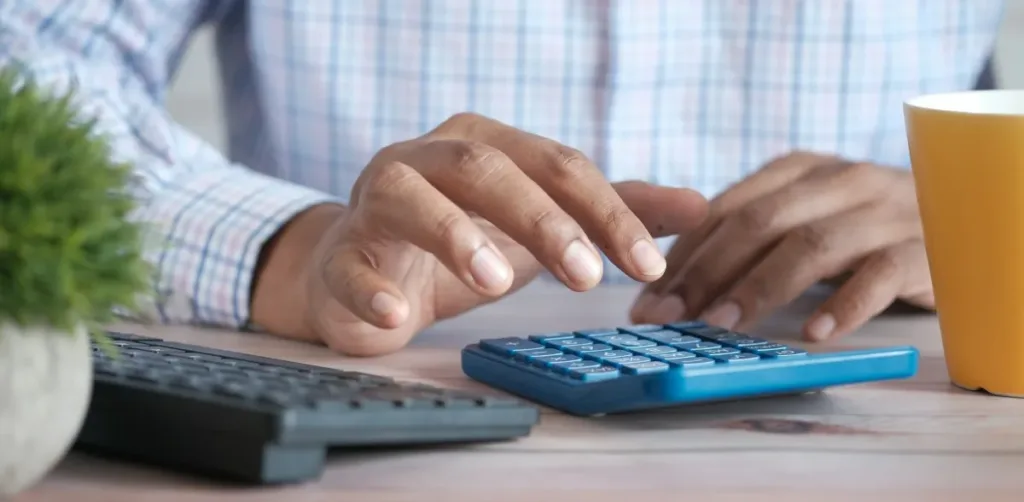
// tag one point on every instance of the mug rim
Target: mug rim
(991, 102)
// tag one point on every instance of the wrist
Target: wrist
(278, 295)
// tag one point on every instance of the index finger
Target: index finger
(576, 185)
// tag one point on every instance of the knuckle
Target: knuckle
(813, 239)
(568, 162)
(461, 121)
(859, 172)
(475, 160)
(756, 219)
(447, 227)
(386, 178)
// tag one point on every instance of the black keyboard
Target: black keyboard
(259, 420)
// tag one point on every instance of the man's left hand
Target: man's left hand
(801, 219)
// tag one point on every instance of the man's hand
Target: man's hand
(801, 219)
(443, 223)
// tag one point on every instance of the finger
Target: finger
(579, 188)
(772, 177)
(351, 279)
(745, 236)
(481, 179)
(881, 279)
(801, 259)
(665, 211)
(397, 203)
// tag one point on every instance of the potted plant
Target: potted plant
(69, 257)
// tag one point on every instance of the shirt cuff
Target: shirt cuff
(212, 227)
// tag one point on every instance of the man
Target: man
(393, 163)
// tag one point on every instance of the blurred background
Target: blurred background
(195, 101)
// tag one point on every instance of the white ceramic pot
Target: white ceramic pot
(45, 388)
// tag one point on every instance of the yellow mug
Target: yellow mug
(967, 159)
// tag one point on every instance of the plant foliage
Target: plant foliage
(69, 253)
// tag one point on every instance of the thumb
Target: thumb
(665, 211)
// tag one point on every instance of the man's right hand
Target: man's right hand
(459, 217)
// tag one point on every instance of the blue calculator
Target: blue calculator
(630, 368)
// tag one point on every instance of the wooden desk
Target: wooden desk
(907, 440)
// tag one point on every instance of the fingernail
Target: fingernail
(647, 258)
(580, 263)
(384, 304)
(821, 327)
(664, 309)
(725, 315)
(487, 268)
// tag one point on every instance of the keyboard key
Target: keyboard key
(632, 344)
(609, 354)
(644, 368)
(508, 346)
(741, 357)
(620, 361)
(550, 336)
(548, 361)
(567, 342)
(716, 352)
(530, 355)
(656, 350)
(584, 349)
(777, 354)
(567, 367)
(597, 374)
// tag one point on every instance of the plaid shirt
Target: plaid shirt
(691, 93)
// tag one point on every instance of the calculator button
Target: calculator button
(685, 325)
(534, 354)
(644, 368)
(785, 353)
(609, 354)
(595, 374)
(595, 332)
(744, 342)
(642, 328)
(550, 336)
(703, 346)
(656, 350)
(568, 342)
(675, 356)
(716, 352)
(741, 357)
(566, 367)
(619, 361)
(547, 361)
(770, 347)
(609, 338)
(632, 344)
(584, 349)
(659, 335)
(704, 330)
(684, 341)
(695, 361)
(509, 346)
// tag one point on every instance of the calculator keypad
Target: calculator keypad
(605, 353)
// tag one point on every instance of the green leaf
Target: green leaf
(70, 253)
